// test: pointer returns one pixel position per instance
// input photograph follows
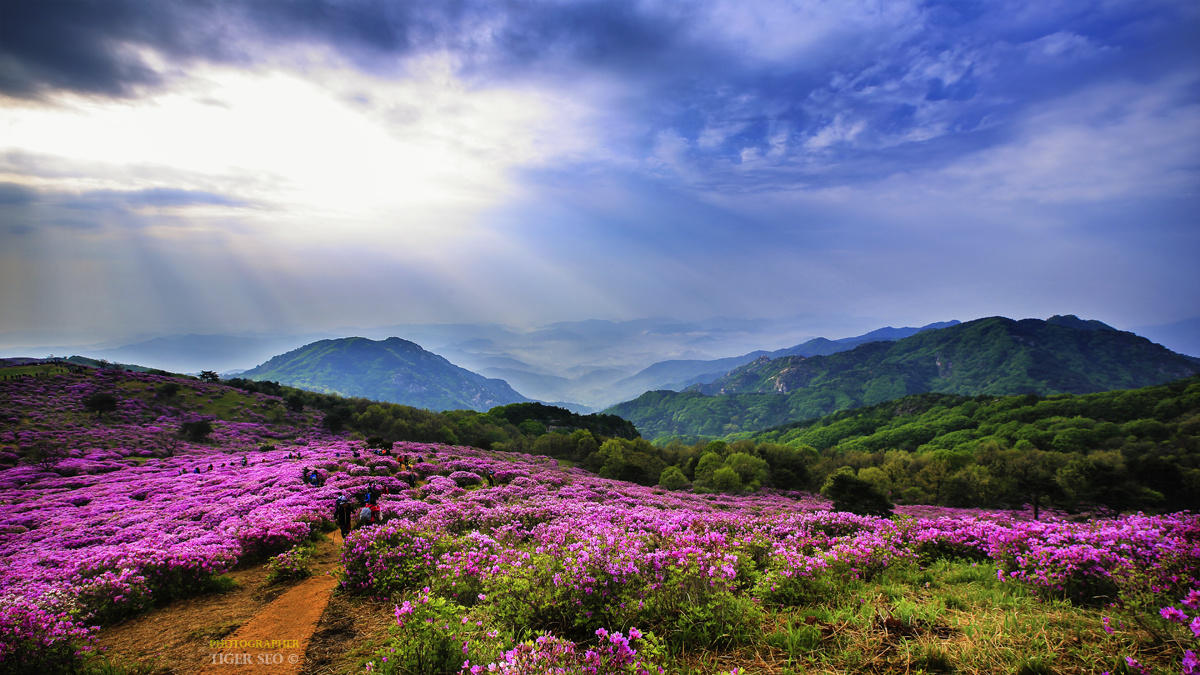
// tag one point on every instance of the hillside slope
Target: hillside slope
(995, 356)
(392, 370)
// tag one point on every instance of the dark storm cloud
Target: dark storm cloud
(88, 47)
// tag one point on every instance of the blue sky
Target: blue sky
(172, 167)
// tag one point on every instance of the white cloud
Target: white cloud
(1108, 142)
(839, 130)
(1063, 46)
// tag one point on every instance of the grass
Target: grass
(953, 617)
(47, 369)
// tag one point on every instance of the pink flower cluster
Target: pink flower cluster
(549, 654)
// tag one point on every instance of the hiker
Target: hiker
(376, 514)
(342, 514)
(365, 516)
(210, 467)
(304, 473)
(244, 460)
(196, 470)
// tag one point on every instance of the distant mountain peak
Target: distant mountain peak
(1072, 321)
(393, 369)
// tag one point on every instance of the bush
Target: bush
(851, 493)
(100, 403)
(196, 430)
(672, 478)
(434, 635)
(294, 563)
(465, 478)
(392, 558)
(725, 479)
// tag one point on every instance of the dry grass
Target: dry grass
(349, 631)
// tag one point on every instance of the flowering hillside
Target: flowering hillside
(505, 562)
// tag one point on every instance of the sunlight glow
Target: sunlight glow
(328, 147)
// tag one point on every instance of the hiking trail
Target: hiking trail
(179, 638)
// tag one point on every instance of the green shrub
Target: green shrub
(294, 563)
(195, 431)
(434, 635)
(853, 494)
(672, 478)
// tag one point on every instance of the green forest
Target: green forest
(1122, 449)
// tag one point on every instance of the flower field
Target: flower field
(544, 568)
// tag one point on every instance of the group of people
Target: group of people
(197, 469)
(245, 462)
(360, 511)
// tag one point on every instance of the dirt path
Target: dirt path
(275, 639)
(178, 638)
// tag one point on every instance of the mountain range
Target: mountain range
(592, 363)
(401, 371)
(755, 390)
(995, 355)
(392, 370)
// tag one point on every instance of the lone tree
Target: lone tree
(853, 494)
(196, 430)
(210, 376)
(100, 403)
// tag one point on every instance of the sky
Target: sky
(239, 167)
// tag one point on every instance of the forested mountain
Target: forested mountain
(995, 356)
(393, 370)
(678, 374)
